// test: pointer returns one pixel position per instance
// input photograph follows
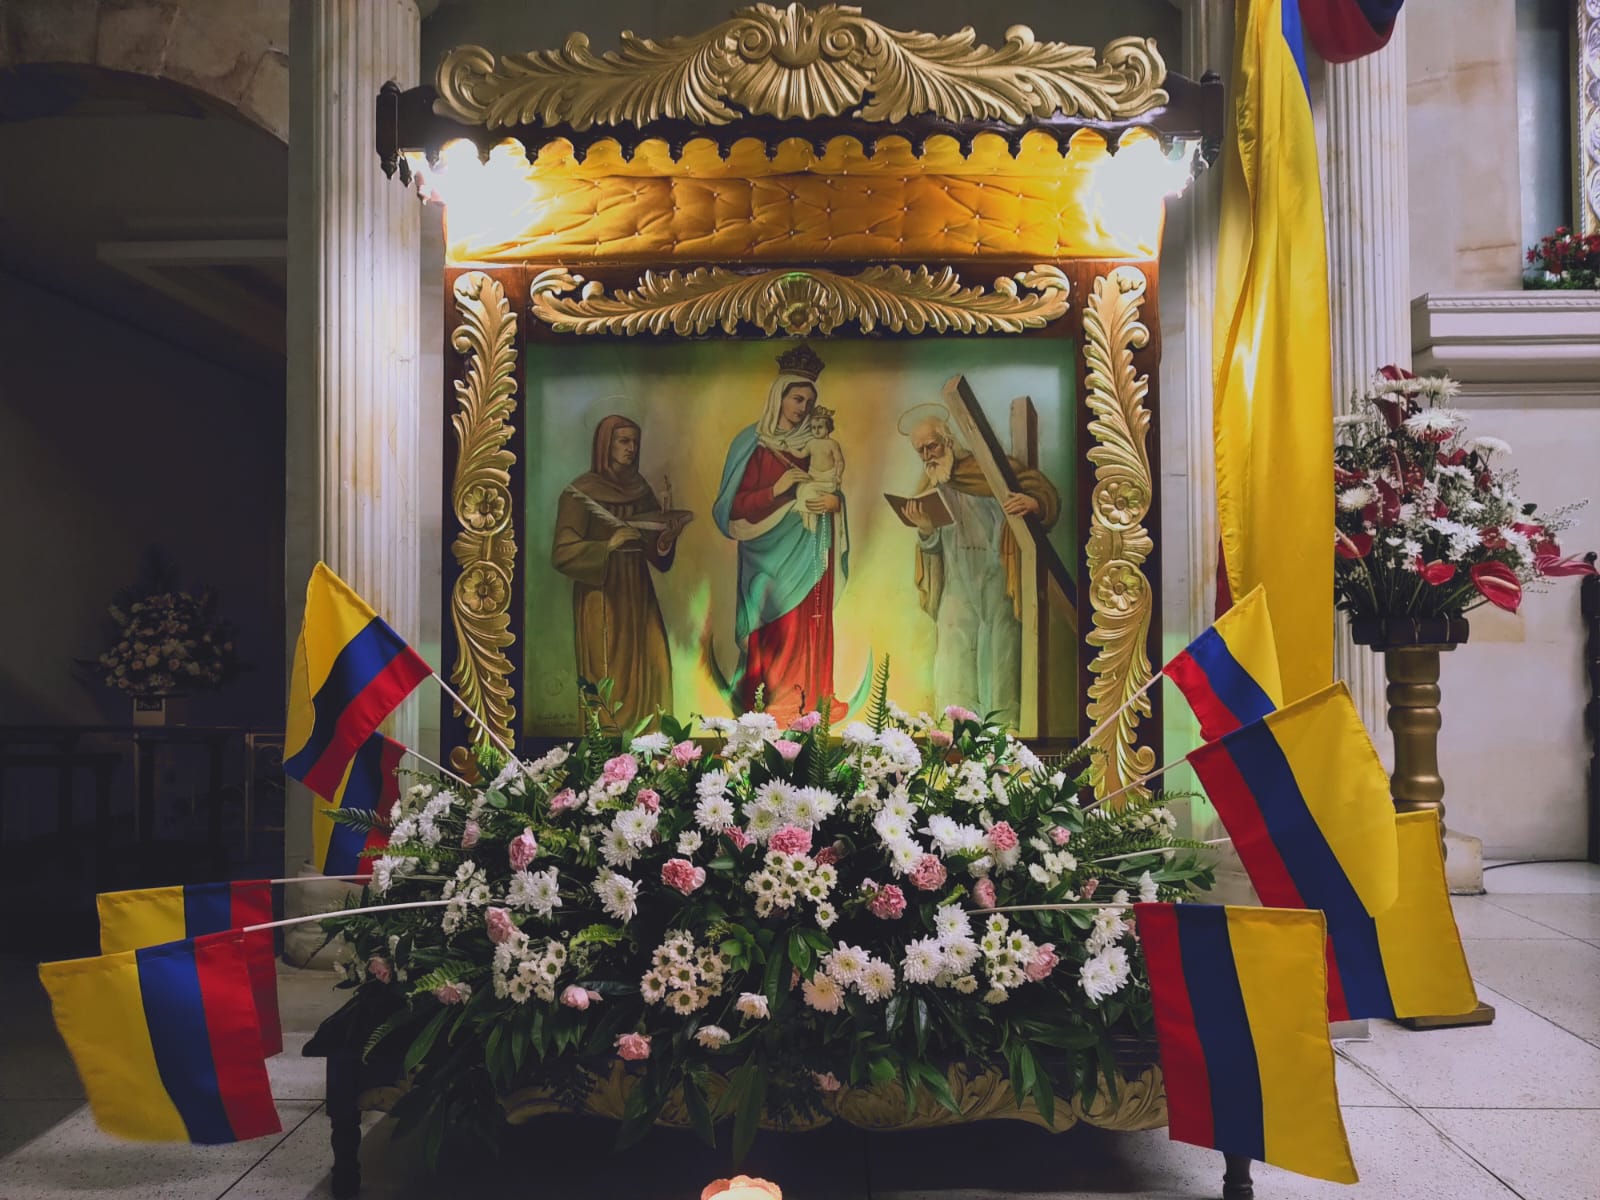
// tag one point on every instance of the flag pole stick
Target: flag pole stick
(353, 879)
(423, 758)
(1125, 706)
(1046, 907)
(1167, 850)
(343, 912)
(1139, 782)
(473, 713)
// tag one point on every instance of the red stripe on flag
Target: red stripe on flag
(1190, 678)
(252, 905)
(362, 716)
(1183, 1058)
(388, 797)
(235, 1035)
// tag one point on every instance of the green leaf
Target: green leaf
(882, 1070)
(919, 1022)
(1044, 1097)
(605, 935)
(894, 1013)
(936, 1082)
(800, 952)
(519, 1045)
(699, 1110)
(772, 982)
(424, 1043)
(739, 1081)
(721, 863)
(748, 1119)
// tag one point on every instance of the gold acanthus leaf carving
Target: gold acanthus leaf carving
(1119, 591)
(796, 302)
(1588, 116)
(485, 545)
(797, 64)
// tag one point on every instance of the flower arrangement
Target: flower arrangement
(757, 919)
(168, 642)
(1565, 260)
(1427, 521)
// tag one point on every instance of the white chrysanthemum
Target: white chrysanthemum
(890, 828)
(1096, 978)
(760, 722)
(813, 805)
(714, 814)
(617, 894)
(638, 825)
(995, 995)
(858, 734)
(1354, 499)
(924, 960)
(1148, 892)
(1490, 445)
(826, 915)
(877, 981)
(712, 1037)
(904, 855)
(752, 1005)
(538, 893)
(846, 963)
(965, 984)
(899, 806)
(653, 987)
(712, 783)
(1462, 538)
(617, 848)
(1434, 421)
(898, 746)
(688, 842)
(651, 744)
(949, 921)
(822, 993)
(765, 820)
(960, 955)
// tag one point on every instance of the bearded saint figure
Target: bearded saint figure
(785, 590)
(617, 625)
(969, 572)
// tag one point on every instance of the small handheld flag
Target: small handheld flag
(1240, 1006)
(166, 1041)
(1229, 674)
(370, 785)
(152, 916)
(351, 670)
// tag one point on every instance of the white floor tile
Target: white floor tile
(1358, 1089)
(1547, 877)
(293, 1076)
(1490, 917)
(1544, 1155)
(74, 1159)
(1559, 983)
(1521, 1061)
(1574, 914)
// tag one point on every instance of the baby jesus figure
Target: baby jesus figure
(826, 465)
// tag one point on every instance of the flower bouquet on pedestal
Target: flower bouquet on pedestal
(739, 919)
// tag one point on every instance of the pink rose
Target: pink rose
(737, 836)
(635, 1047)
(1090, 886)
(1059, 835)
(620, 769)
(791, 839)
(788, 751)
(827, 856)
(685, 753)
(452, 993)
(523, 850)
(928, 874)
(983, 893)
(1045, 960)
(470, 833)
(500, 925)
(378, 968)
(683, 875)
(564, 799)
(940, 737)
(807, 722)
(889, 903)
(826, 1083)
(648, 799)
(956, 713)
(579, 998)
(1002, 837)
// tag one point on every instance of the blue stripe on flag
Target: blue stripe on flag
(363, 790)
(1294, 34)
(362, 660)
(169, 984)
(1232, 685)
(1223, 1023)
(207, 908)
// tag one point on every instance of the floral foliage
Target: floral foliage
(168, 643)
(1428, 522)
(1567, 260)
(766, 908)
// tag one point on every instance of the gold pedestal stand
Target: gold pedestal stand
(1411, 650)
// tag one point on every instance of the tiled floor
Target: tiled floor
(1512, 1110)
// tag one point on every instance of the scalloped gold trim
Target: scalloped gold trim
(801, 301)
(1119, 544)
(1588, 116)
(485, 546)
(796, 64)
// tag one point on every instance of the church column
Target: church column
(353, 429)
(1369, 274)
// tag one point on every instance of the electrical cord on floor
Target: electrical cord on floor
(1535, 862)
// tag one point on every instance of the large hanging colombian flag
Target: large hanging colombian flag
(1273, 398)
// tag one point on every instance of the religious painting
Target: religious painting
(712, 525)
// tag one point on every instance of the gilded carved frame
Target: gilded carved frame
(1586, 117)
(842, 70)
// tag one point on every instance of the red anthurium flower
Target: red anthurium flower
(1393, 373)
(1454, 459)
(1441, 509)
(1553, 566)
(1538, 537)
(1492, 539)
(1436, 572)
(1388, 505)
(1394, 412)
(1348, 478)
(1352, 545)
(1498, 585)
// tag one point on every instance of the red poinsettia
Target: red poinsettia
(1498, 584)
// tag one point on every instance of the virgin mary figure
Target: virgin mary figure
(784, 619)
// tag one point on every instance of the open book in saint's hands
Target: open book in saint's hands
(932, 504)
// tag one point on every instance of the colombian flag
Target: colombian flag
(1229, 674)
(370, 785)
(151, 916)
(1240, 1002)
(1272, 356)
(351, 670)
(166, 1041)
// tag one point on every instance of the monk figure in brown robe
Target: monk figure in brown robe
(610, 531)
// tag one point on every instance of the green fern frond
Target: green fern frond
(878, 703)
(364, 819)
(395, 1021)
(819, 743)
(450, 972)
(760, 704)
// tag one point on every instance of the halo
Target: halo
(914, 416)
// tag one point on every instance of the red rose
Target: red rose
(1498, 584)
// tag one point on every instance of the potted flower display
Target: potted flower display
(745, 919)
(1429, 525)
(1565, 260)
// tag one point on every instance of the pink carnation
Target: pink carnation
(737, 836)
(983, 893)
(620, 769)
(806, 722)
(956, 713)
(1089, 887)
(827, 856)
(685, 753)
(826, 1083)
(1059, 835)
(940, 737)
(579, 998)
(1002, 837)
(452, 993)
(889, 903)
(523, 850)
(378, 968)
(788, 751)
(470, 833)
(929, 873)
(648, 799)
(1045, 960)
(791, 839)
(683, 875)
(500, 925)
(564, 799)
(635, 1047)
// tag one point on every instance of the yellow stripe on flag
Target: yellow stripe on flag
(148, 917)
(1422, 954)
(1301, 1126)
(1246, 629)
(1345, 787)
(334, 615)
(1272, 355)
(321, 825)
(99, 1011)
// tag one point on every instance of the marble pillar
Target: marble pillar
(353, 414)
(1369, 274)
